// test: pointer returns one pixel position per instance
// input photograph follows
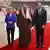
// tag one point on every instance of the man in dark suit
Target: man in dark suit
(39, 19)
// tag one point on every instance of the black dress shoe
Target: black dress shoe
(42, 46)
(37, 46)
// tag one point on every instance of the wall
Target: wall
(23, 0)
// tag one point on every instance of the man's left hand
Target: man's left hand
(43, 26)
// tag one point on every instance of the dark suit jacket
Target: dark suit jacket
(39, 20)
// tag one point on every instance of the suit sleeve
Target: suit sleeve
(45, 17)
(34, 18)
(6, 20)
(14, 18)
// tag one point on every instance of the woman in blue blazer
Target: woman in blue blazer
(10, 20)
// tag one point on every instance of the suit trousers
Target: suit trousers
(10, 31)
(39, 33)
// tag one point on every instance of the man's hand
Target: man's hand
(43, 26)
(33, 27)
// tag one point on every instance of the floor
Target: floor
(33, 41)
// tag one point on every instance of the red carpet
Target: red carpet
(33, 41)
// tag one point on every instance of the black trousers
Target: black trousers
(10, 31)
(39, 33)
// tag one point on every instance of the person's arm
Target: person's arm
(14, 18)
(34, 17)
(6, 20)
(18, 20)
(45, 18)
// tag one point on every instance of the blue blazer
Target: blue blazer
(11, 18)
